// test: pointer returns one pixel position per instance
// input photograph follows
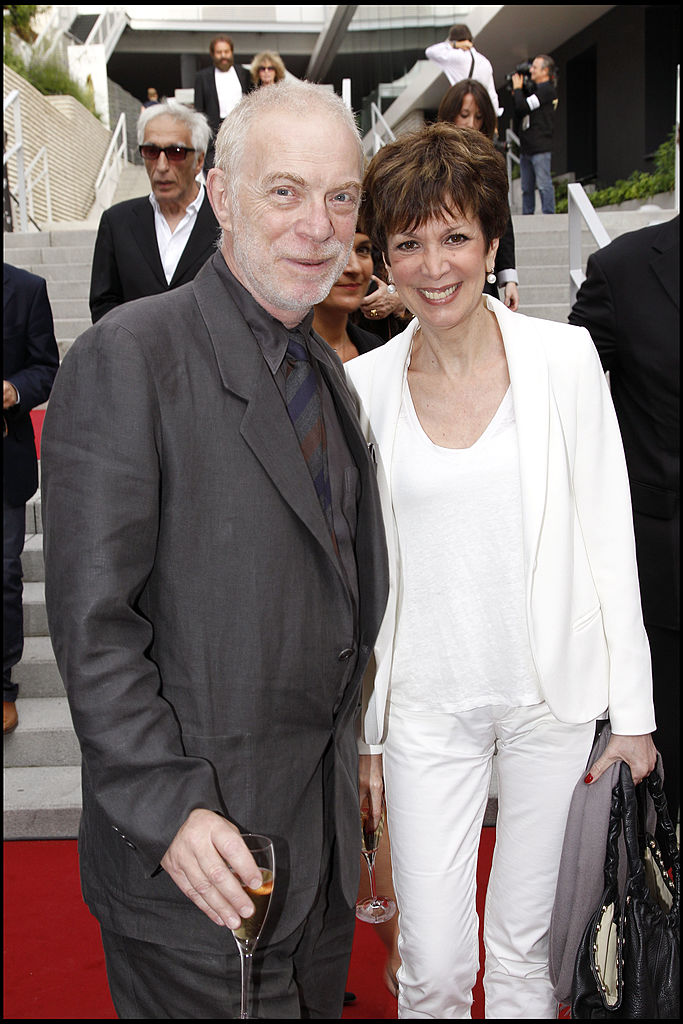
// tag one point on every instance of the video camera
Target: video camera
(523, 69)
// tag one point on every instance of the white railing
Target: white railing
(580, 210)
(377, 126)
(107, 29)
(510, 158)
(114, 161)
(27, 177)
(41, 175)
(52, 32)
(12, 101)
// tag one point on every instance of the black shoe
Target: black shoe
(349, 997)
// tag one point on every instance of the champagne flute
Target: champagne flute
(247, 935)
(377, 908)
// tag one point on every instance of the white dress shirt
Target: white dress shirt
(172, 243)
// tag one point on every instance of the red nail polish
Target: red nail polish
(588, 779)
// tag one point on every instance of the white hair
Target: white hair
(193, 120)
(292, 97)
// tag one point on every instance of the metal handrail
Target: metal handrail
(105, 31)
(376, 119)
(580, 208)
(31, 182)
(12, 100)
(115, 159)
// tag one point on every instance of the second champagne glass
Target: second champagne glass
(247, 935)
(377, 908)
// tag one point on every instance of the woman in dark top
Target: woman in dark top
(331, 318)
(467, 105)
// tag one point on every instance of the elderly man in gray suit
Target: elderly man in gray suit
(215, 579)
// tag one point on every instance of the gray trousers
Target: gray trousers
(302, 977)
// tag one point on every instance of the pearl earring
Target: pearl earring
(491, 277)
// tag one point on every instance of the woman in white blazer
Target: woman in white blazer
(514, 616)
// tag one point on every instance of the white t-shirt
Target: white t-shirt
(229, 90)
(462, 638)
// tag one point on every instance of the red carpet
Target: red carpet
(54, 967)
(37, 417)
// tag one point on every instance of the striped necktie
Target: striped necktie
(302, 397)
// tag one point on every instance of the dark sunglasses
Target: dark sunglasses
(174, 154)
(266, 67)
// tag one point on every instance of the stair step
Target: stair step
(35, 615)
(68, 291)
(558, 312)
(71, 306)
(32, 564)
(67, 254)
(45, 735)
(37, 675)
(42, 803)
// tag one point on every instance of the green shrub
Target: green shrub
(50, 78)
(639, 185)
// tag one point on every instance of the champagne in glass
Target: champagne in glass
(247, 934)
(377, 908)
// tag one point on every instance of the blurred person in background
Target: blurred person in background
(458, 58)
(266, 69)
(154, 243)
(331, 317)
(535, 108)
(630, 304)
(220, 87)
(467, 105)
(30, 362)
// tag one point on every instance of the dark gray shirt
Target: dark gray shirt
(272, 337)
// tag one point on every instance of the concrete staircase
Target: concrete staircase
(42, 757)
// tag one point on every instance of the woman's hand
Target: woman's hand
(639, 753)
(511, 296)
(371, 784)
(380, 303)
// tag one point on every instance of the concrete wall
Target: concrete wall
(635, 51)
(76, 143)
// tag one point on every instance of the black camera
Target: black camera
(523, 69)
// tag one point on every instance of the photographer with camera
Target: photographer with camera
(458, 59)
(535, 103)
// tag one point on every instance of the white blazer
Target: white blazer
(585, 622)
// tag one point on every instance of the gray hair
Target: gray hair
(292, 97)
(198, 126)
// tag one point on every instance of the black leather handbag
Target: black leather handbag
(628, 962)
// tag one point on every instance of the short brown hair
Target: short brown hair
(220, 39)
(440, 169)
(452, 102)
(459, 33)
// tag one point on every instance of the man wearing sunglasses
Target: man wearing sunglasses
(149, 245)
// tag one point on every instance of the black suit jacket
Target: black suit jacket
(200, 618)
(126, 263)
(630, 304)
(206, 97)
(30, 362)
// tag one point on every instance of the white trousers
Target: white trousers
(437, 770)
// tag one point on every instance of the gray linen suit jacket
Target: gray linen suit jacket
(198, 614)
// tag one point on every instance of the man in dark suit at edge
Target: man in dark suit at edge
(30, 361)
(220, 87)
(213, 598)
(148, 245)
(630, 304)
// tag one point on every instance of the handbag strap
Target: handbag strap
(630, 807)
